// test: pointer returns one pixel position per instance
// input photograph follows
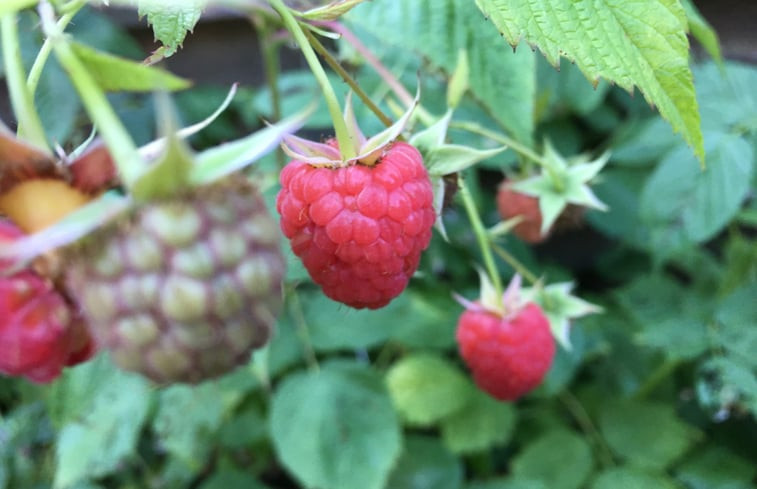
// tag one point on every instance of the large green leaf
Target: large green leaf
(647, 435)
(639, 44)
(560, 459)
(426, 464)
(630, 478)
(114, 73)
(481, 423)
(716, 467)
(336, 428)
(426, 388)
(171, 20)
(502, 81)
(102, 410)
(683, 204)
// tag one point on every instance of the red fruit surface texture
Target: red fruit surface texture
(511, 203)
(359, 230)
(34, 335)
(508, 357)
(39, 332)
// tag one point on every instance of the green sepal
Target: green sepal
(216, 162)
(71, 228)
(453, 158)
(114, 73)
(563, 182)
(169, 174)
(560, 307)
(330, 11)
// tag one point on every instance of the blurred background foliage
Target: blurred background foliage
(658, 391)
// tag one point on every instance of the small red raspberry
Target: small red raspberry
(511, 204)
(39, 331)
(359, 229)
(508, 356)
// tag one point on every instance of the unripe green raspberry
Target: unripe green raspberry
(184, 289)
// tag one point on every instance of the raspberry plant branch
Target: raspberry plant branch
(336, 66)
(508, 258)
(577, 410)
(29, 124)
(123, 150)
(481, 236)
(346, 145)
(71, 9)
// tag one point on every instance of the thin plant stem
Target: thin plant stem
(394, 84)
(583, 419)
(270, 51)
(336, 66)
(519, 267)
(302, 330)
(120, 144)
(661, 373)
(35, 73)
(346, 145)
(481, 236)
(29, 124)
(500, 138)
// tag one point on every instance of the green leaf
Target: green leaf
(479, 425)
(171, 20)
(631, 478)
(187, 418)
(336, 428)
(502, 81)
(644, 142)
(725, 385)
(508, 483)
(426, 464)
(716, 467)
(683, 204)
(736, 317)
(639, 44)
(232, 479)
(647, 435)
(114, 73)
(103, 413)
(727, 100)
(426, 388)
(702, 30)
(560, 459)
(680, 332)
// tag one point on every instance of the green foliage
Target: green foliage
(437, 30)
(335, 427)
(645, 434)
(659, 390)
(426, 388)
(653, 34)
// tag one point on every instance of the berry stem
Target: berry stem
(334, 64)
(302, 330)
(583, 419)
(519, 267)
(394, 84)
(32, 81)
(270, 51)
(481, 236)
(346, 145)
(123, 150)
(29, 124)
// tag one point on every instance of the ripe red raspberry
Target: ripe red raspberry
(359, 229)
(511, 203)
(508, 355)
(39, 331)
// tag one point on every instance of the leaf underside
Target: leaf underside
(632, 43)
